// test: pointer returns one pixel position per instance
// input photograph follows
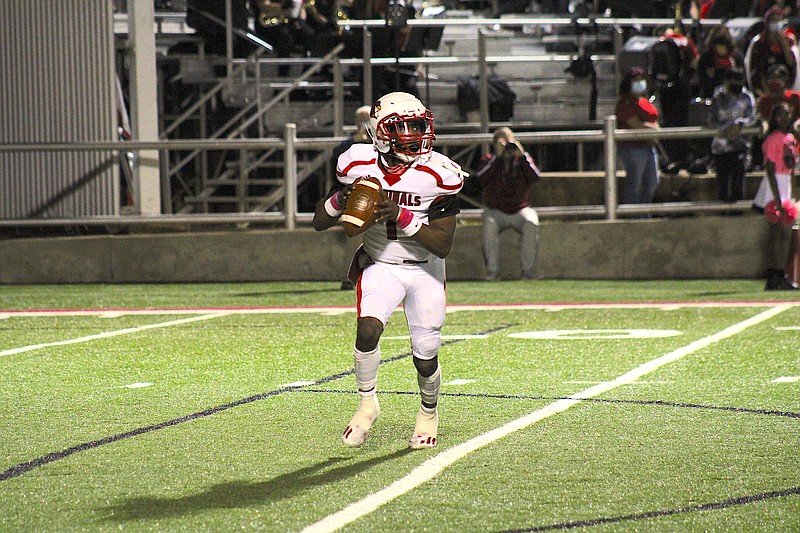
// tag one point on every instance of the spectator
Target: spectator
(390, 41)
(760, 8)
(776, 82)
(635, 111)
(322, 17)
(673, 85)
(360, 135)
(732, 108)
(506, 176)
(780, 156)
(687, 9)
(724, 9)
(719, 56)
(281, 23)
(769, 47)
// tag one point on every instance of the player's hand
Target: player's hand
(733, 131)
(344, 194)
(386, 209)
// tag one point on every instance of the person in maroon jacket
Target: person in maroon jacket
(770, 47)
(506, 176)
(634, 111)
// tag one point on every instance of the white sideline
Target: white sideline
(107, 334)
(433, 466)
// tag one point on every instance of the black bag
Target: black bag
(501, 97)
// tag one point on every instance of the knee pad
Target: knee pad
(368, 333)
(425, 343)
(426, 367)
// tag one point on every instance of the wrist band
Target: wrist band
(332, 206)
(407, 222)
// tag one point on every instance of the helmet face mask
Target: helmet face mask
(401, 126)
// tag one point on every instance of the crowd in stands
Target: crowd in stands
(699, 68)
(685, 70)
(739, 85)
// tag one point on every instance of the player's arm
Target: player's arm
(436, 236)
(636, 123)
(329, 209)
(769, 170)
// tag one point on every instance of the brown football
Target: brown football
(359, 213)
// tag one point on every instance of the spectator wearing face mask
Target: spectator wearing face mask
(770, 47)
(635, 111)
(718, 57)
(732, 108)
(777, 92)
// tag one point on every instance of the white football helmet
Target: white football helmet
(399, 123)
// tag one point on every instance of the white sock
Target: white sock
(429, 387)
(366, 364)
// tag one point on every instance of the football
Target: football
(359, 213)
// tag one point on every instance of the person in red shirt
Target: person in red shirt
(506, 176)
(635, 111)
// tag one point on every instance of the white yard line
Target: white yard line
(107, 334)
(435, 465)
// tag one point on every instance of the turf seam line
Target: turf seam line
(712, 506)
(430, 468)
(22, 468)
(659, 403)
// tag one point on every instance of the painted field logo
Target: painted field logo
(583, 334)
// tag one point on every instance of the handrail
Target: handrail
(253, 38)
(514, 21)
(290, 144)
(540, 137)
(120, 19)
(219, 86)
(262, 108)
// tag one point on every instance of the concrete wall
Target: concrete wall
(680, 248)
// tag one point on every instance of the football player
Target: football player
(402, 256)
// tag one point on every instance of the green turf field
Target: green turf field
(566, 405)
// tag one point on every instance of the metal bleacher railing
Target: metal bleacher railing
(289, 217)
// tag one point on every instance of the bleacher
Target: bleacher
(532, 55)
(521, 54)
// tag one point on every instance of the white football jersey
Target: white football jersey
(431, 177)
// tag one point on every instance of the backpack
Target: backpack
(501, 97)
(666, 64)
